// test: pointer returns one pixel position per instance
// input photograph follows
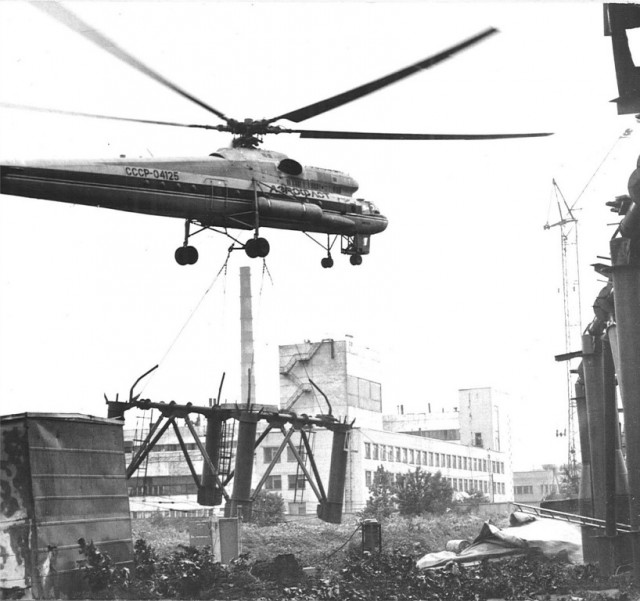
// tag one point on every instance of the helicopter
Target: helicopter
(242, 187)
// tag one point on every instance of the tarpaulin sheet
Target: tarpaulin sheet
(549, 536)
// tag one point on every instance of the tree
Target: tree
(570, 480)
(267, 509)
(381, 503)
(419, 492)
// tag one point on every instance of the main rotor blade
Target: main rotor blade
(357, 135)
(66, 17)
(109, 117)
(328, 104)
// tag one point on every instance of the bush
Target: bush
(99, 571)
(381, 502)
(267, 509)
(420, 492)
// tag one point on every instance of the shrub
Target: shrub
(268, 509)
(422, 492)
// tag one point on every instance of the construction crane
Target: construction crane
(568, 224)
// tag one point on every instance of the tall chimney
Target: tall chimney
(247, 378)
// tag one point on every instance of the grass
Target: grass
(314, 542)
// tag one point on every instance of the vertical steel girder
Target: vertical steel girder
(205, 456)
(594, 392)
(240, 504)
(626, 284)
(585, 494)
(210, 493)
(331, 509)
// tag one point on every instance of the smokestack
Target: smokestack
(247, 379)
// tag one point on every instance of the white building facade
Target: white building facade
(469, 445)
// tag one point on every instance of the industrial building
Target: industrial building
(469, 444)
(533, 486)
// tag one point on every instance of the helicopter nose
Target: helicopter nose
(382, 222)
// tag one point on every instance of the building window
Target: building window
(376, 454)
(270, 453)
(291, 458)
(411, 456)
(295, 482)
(404, 456)
(437, 460)
(273, 483)
(398, 454)
(418, 457)
(367, 450)
(430, 458)
(448, 461)
(367, 478)
(424, 457)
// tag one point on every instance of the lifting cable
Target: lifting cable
(625, 134)
(222, 270)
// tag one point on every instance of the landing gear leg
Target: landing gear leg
(257, 246)
(327, 262)
(185, 254)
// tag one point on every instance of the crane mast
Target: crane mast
(572, 310)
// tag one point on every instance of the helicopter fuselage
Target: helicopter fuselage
(232, 188)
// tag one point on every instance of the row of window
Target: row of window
(160, 490)
(545, 489)
(269, 454)
(458, 484)
(294, 482)
(381, 452)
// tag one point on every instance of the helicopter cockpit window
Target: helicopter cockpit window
(217, 155)
(290, 167)
(369, 208)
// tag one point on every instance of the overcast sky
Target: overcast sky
(462, 290)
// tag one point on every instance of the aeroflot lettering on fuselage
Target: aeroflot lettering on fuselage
(172, 176)
(297, 192)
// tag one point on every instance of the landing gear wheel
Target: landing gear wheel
(251, 248)
(355, 259)
(186, 255)
(327, 262)
(191, 254)
(262, 244)
(257, 247)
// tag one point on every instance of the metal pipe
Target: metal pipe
(209, 493)
(205, 457)
(240, 504)
(331, 509)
